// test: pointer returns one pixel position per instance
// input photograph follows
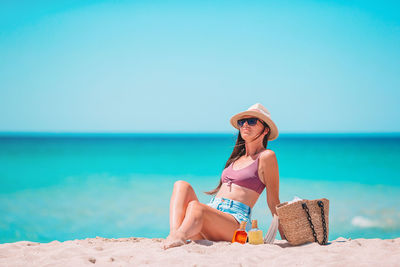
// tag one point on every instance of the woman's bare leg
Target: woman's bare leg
(182, 194)
(200, 218)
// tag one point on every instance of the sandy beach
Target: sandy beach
(145, 251)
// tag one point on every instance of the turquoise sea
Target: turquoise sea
(74, 186)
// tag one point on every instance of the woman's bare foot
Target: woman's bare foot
(175, 239)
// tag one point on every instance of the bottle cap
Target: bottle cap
(254, 224)
(243, 225)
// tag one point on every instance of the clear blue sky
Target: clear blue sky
(188, 66)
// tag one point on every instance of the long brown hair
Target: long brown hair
(239, 150)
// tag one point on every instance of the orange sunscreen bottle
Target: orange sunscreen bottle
(240, 234)
(255, 234)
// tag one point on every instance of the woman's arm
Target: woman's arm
(271, 179)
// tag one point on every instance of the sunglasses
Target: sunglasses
(250, 121)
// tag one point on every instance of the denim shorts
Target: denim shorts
(237, 209)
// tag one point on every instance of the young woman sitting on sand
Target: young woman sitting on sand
(250, 168)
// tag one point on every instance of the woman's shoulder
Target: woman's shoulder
(267, 154)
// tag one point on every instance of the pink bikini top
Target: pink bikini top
(246, 177)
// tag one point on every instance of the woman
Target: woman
(250, 168)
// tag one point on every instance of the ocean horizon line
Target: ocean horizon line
(38, 134)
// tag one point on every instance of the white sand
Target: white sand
(144, 251)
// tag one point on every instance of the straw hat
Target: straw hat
(259, 111)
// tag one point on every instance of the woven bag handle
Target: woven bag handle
(321, 205)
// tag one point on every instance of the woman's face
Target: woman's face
(248, 132)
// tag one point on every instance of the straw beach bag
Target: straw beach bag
(305, 221)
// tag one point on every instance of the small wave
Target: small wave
(363, 222)
(385, 223)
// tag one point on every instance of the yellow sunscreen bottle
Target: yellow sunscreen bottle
(255, 234)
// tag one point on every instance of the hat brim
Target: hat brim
(274, 130)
